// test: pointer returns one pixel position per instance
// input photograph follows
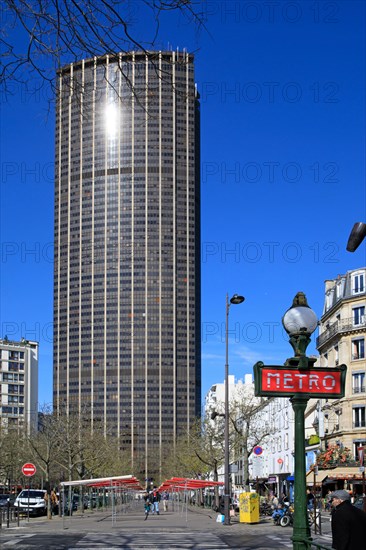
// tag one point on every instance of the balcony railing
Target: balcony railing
(344, 325)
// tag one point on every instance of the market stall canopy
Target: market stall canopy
(185, 484)
(125, 482)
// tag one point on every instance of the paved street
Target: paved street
(193, 529)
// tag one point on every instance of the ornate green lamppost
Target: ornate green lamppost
(299, 380)
(300, 322)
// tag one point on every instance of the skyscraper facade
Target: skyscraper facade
(127, 241)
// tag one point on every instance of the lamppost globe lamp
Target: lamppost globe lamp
(300, 319)
(300, 322)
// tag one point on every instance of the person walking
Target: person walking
(309, 499)
(348, 522)
(156, 500)
(165, 500)
(147, 504)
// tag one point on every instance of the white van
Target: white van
(34, 498)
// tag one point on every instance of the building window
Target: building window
(358, 283)
(356, 445)
(358, 382)
(359, 315)
(358, 348)
(359, 417)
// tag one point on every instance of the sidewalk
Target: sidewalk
(132, 518)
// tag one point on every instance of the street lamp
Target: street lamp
(236, 299)
(300, 322)
(356, 237)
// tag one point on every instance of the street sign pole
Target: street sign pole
(28, 470)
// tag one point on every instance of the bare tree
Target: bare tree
(198, 453)
(248, 429)
(44, 446)
(13, 453)
(39, 36)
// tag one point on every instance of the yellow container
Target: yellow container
(249, 508)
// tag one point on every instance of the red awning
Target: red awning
(183, 483)
(125, 482)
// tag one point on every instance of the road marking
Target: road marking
(17, 540)
(288, 543)
(154, 541)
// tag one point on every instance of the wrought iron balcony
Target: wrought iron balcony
(344, 325)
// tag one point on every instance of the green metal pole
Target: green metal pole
(301, 533)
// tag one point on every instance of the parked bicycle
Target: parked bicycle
(265, 509)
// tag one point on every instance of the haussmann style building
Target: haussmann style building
(127, 261)
(341, 340)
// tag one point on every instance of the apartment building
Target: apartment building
(18, 384)
(341, 340)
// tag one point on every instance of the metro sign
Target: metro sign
(283, 381)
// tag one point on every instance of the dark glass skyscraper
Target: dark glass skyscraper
(127, 238)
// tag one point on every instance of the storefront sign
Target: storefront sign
(282, 381)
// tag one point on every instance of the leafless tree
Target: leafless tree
(247, 427)
(13, 453)
(197, 453)
(40, 36)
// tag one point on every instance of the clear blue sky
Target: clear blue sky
(282, 89)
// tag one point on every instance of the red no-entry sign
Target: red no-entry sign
(28, 469)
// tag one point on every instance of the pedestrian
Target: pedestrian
(348, 523)
(274, 501)
(54, 502)
(328, 501)
(165, 500)
(156, 500)
(147, 504)
(309, 499)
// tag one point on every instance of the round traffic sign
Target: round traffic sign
(280, 461)
(28, 469)
(257, 450)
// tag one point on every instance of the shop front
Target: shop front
(343, 478)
